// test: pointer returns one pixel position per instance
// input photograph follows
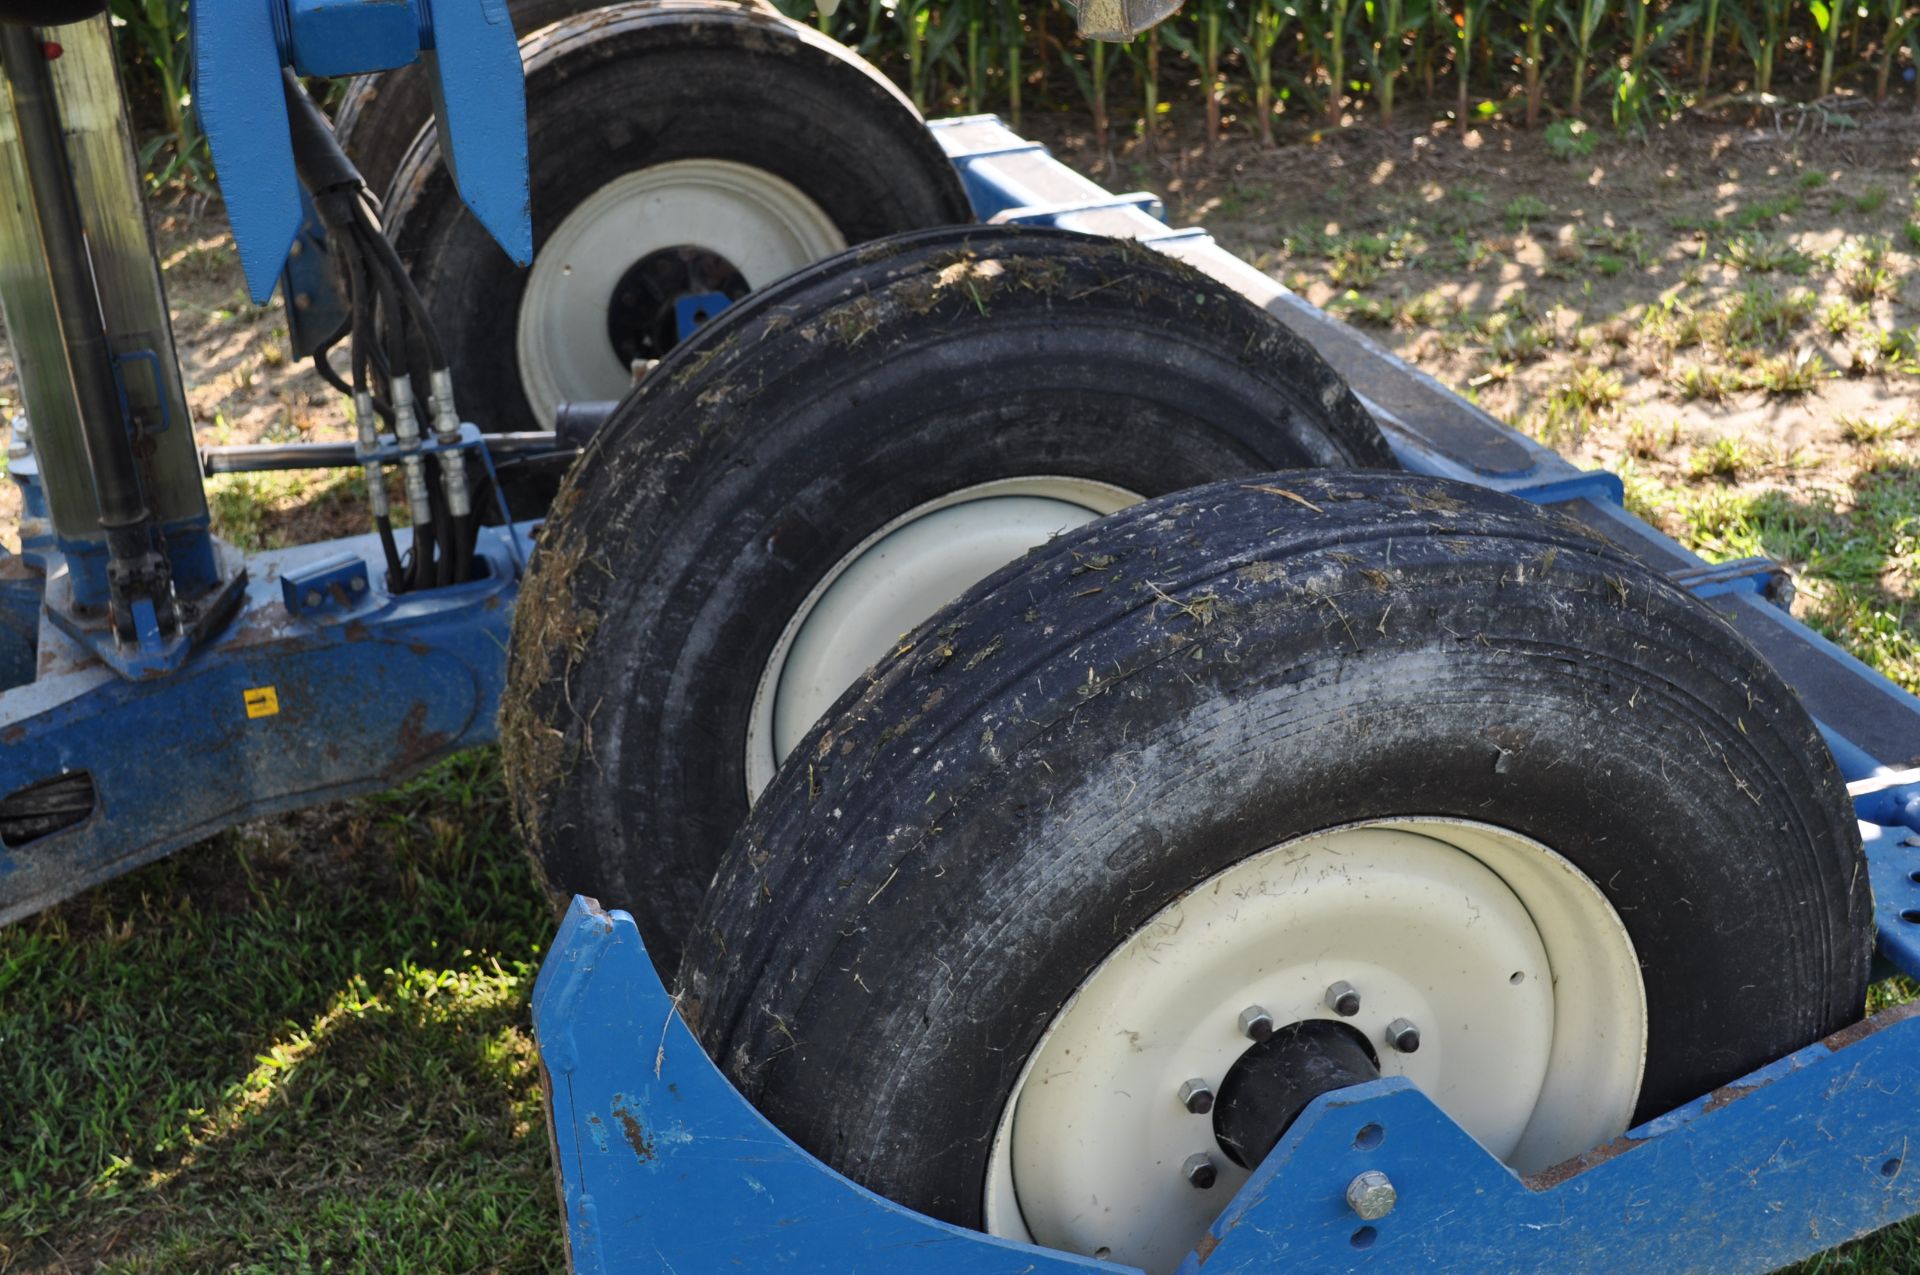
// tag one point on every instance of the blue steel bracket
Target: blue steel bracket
(479, 95)
(663, 1165)
(332, 586)
(283, 708)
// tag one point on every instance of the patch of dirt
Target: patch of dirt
(1718, 300)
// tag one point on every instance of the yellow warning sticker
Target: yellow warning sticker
(262, 701)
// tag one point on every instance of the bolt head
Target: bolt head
(1200, 1171)
(1255, 1023)
(1343, 1000)
(313, 598)
(1403, 1035)
(1371, 1195)
(1196, 1096)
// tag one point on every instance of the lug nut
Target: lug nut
(1200, 1172)
(1371, 1195)
(1403, 1035)
(1255, 1023)
(1343, 1000)
(1196, 1096)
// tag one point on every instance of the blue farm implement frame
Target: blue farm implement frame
(663, 1165)
(160, 686)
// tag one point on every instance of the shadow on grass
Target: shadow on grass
(295, 1046)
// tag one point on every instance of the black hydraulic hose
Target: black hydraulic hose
(463, 539)
(392, 551)
(443, 535)
(324, 368)
(389, 262)
(318, 158)
(76, 300)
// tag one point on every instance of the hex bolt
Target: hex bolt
(1371, 1195)
(1343, 1000)
(1196, 1096)
(1403, 1035)
(1200, 1171)
(1255, 1023)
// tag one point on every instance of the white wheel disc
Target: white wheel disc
(894, 579)
(762, 225)
(1516, 970)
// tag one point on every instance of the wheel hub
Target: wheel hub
(1477, 963)
(642, 319)
(1272, 1082)
(731, 223)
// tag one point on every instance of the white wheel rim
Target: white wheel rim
(894, 579)
(762, 224)
(1429, 919)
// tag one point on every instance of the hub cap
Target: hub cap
(894, 579)
(1516, 970)
(729, 224)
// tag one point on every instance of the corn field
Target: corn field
(1238, 67)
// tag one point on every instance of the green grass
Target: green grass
(1851, 559)
(300, 1046)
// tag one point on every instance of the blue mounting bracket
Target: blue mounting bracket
(664, 1165)
(293, 702)
(473, 59)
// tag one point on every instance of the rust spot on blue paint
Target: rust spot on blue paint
(630, 1125)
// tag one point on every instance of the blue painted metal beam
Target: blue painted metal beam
(284, 708)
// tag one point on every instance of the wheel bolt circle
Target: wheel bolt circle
(1196, 1095)
(1403, 1035)
(1200, 1171)
(1343, 1000)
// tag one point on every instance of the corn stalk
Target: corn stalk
(1335, 37)
(1256, 38)
(1092, 77)
(1583, 24)
(1532, 56)
(1389, 22)
(157, 32)
(1898, 19)
(1010, 35)
(1706, 44)
(1467, 23)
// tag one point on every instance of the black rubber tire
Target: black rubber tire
(380, 115)
(965, 834)
(622, 88)
(770, 445)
